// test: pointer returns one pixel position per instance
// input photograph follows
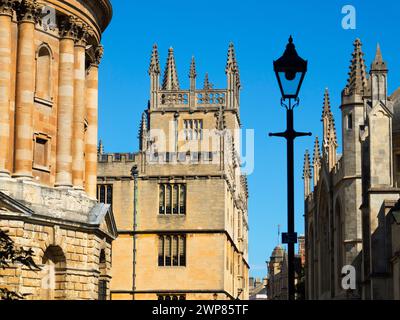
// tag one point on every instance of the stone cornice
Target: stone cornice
(104, 11)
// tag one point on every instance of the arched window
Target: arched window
(43, 74)
(53, 274)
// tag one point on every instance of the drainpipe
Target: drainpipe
(134, 173)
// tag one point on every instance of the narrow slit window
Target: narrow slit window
(349, 121)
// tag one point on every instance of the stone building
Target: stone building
(49, 58)
(181, 212)
(258, 289)
(349, 213)
(277, 280)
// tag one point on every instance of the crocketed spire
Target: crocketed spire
(207, 84)
(231, 64)
(378, 64)
(307, 175)
(316, 161)
(143, 131)
(326, 110)
(307, 166)
(154, 61)
(170, 81)
(192, 72)
(328, 121)
(357, 81)
(317, 152)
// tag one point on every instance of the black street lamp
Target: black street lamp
(290, 70)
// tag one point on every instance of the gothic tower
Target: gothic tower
(187, 221)
(352, 108)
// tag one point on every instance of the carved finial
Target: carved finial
(192, 72)
(357, 81)
(327, 119)
(207, 84)
(316, 161)
(232, 65)
(100, 148)
(307, 175)
(170, 75)
(307, 166)
(326, 110)
(143, 131)
(317, 152)
(154, 61)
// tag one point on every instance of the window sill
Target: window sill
(41, 168)
(45, 102)
(171, 215)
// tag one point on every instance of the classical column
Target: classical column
(78, 143)
(65, 104)
(92, 78)
(28, 13)
(6, 14)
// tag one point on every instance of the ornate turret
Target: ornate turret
(170, 81)
(316, 161)
(378, 78)
(307, 174)
(357, 81)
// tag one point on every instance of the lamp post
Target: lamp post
(290, 71)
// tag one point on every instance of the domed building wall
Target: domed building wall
(49, 58)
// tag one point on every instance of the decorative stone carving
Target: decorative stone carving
(82, 33)
(68, 27)
(7, 7)
(98, 54)
(28, 11)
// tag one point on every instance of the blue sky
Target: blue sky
(259, 30)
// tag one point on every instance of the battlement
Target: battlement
(117, 157)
